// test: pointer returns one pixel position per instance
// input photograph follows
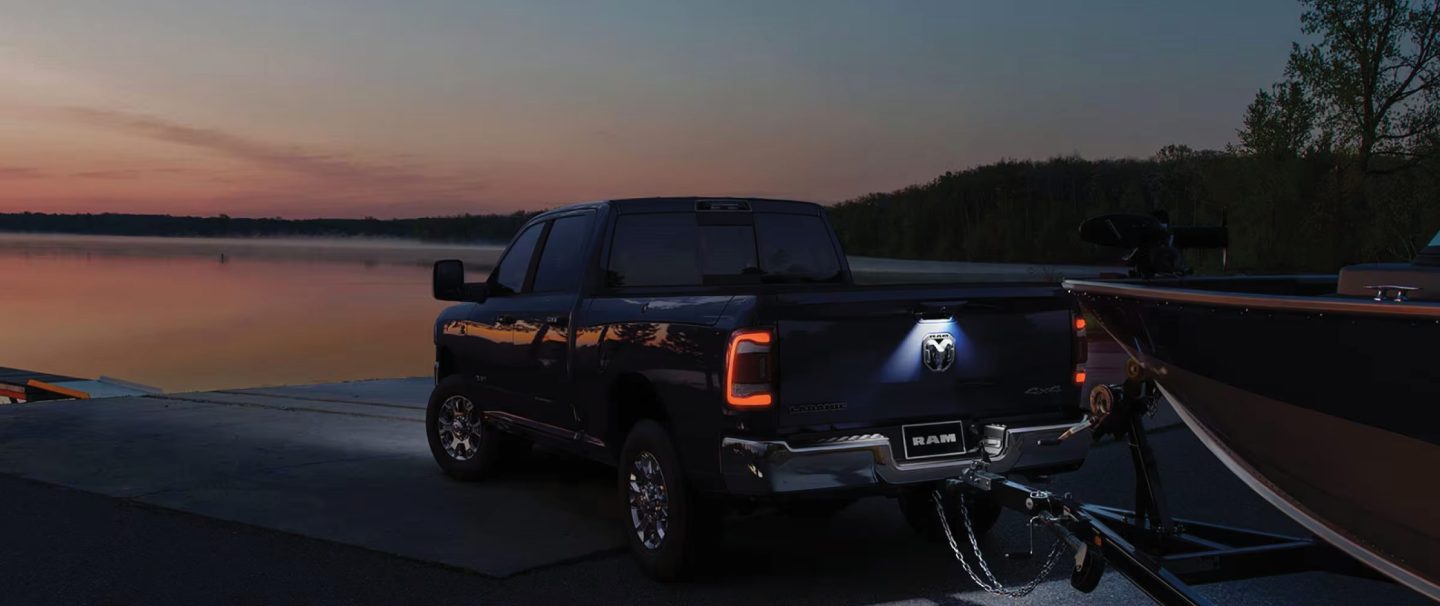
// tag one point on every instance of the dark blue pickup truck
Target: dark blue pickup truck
(719, 354)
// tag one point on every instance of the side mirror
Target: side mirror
(447, 283)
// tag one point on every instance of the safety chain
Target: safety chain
(993, 585)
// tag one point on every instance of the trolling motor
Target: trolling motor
(1154, 245)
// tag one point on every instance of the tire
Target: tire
(665, 524)
(463, 445)
(919, 511)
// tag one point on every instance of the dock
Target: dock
(19, 385)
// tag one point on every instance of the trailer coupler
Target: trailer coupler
(1046, 510)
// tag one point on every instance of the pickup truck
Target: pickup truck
(718, 353)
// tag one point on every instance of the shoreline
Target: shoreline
(397, 251)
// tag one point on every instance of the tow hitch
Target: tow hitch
(1161, 555)
(1084, 577)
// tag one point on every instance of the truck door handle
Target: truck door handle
(503, 319)
(557, 321)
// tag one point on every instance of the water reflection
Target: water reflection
(184, 318)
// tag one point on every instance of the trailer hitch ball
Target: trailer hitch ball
(1089, 567)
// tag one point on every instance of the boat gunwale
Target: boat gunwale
(1294, 303)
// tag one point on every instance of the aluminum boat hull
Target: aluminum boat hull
(1327, 407)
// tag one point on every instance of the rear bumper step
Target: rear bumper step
(765, 467)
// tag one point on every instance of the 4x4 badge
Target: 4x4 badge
(938, 351)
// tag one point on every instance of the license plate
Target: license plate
(926, 440)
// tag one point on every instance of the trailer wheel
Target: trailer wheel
(919, 512)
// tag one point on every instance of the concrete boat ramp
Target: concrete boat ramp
(343, 462)
(348, 463)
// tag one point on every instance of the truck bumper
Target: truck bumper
(772, 467)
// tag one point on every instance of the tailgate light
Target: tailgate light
(1081, 342)
(749, 380)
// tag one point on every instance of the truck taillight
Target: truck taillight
(749, 376)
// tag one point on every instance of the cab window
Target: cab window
(509, 275)
(562, 264)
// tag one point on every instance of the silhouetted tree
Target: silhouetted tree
(1279, 123)
(1373, 75)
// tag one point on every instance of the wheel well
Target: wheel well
(632, 398)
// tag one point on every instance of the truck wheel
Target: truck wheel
(464, 446)
(665, 524)
(919, 510)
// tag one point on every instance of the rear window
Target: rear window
(796, 248)
(674, 249)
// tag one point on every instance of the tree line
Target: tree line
(1336, 163)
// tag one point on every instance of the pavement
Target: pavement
(328, 494)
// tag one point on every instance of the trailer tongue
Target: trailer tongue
(1162, 555)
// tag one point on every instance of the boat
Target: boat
(1322, 393)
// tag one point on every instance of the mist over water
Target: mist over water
(187, 314)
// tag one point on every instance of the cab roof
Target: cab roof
(693, 203)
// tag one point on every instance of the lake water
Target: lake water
(188, 314)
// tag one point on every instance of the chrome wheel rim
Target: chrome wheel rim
(649, 500)
(459, 428)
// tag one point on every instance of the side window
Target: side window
(562, 263)
(509, 275)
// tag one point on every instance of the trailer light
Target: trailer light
(1079, 323)
(1079, 376)
(748, 369)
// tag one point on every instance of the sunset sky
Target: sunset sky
(359, 107)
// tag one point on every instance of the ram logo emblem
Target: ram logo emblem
(938, 351)
(944, 438)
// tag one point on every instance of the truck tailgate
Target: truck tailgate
(857, 357)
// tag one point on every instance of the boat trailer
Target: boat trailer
(1162, 555)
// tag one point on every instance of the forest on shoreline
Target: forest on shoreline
(1284, 213)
